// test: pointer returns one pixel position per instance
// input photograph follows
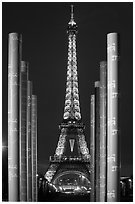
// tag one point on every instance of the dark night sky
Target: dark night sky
(43, 27)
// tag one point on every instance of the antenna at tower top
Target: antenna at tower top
(72, 22)
(72, 12)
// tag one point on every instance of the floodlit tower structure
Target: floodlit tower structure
(113, 167)
(14, 59)
(71, 160)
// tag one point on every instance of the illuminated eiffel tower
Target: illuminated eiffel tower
(69, 168)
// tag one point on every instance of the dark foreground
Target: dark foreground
(60, 197)
(69, 198)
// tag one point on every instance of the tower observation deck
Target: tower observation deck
(69, 168)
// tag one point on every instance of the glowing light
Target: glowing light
(83, 145)
(61, 144)
(72, 141)
(72, 109)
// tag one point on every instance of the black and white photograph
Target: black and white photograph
(67, 101)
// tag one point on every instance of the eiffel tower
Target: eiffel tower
(69, 169)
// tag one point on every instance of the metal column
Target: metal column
(29, 159)
(34, 147)
(14, 57)
(92, 149)
(23, 131)
(112, 114)
(97, 140)
(103, 112)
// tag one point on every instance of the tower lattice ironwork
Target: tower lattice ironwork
(72, 155)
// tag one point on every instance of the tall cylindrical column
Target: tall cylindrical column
(92, 148)
(103, 112)
(14, 57)
(34, 147)
(112, 114)
(29, 159)
(23, 131)
(97, 139)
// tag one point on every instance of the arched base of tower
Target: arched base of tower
(68, 180)
(72, 182)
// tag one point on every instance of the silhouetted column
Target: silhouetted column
(34, 147)
(14, 57)
(103, 126)
(29, 159)
(97, 137)
(23, 131)
(112, 114)
(92, 149)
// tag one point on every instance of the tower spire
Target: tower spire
(72, 12)
(72, 22)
